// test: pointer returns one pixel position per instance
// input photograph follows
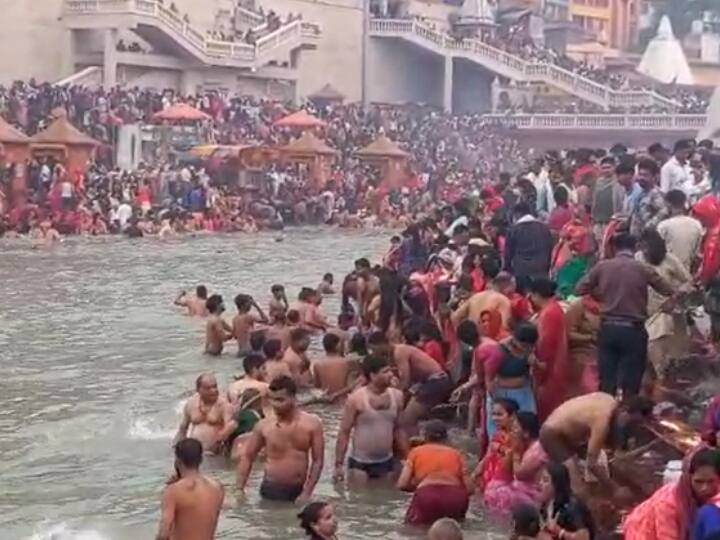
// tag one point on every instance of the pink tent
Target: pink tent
(180, 112)
(300, 119)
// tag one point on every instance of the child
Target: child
(244, 322)
(326, 285)
(278, 303)
(279, 330)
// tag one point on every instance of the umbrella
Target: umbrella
(181, 111)
(300, 119)
(382, 147)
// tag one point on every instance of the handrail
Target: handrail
(518, 68)
(254, 20)
(600, 121)
(208, 47)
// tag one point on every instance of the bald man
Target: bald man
(207, 416)
(445, 529)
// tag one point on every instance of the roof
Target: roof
(328, 93)
(181, 111)
(61, 131)
(300, 118)
(308, 144)
(382, 147)
(664, 59)
(8, 134)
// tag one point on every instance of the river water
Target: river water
(96, 363)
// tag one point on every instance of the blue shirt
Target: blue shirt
(707, 521)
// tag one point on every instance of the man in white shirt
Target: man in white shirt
(682, 233)
(123, 214)
(675, 174)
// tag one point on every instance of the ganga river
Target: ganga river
(96, 363)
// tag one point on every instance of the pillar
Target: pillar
(448, 84)
(110, 58)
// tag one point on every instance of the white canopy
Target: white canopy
(664, 59)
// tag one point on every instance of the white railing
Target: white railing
(636, 122)
(514, 67)
(249, 18)
(208, 48)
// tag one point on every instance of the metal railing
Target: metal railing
(206, 47)
(517, 68)
(635, 122)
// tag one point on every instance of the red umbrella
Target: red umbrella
(300, 119)
(181, 111)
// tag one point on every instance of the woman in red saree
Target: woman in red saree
(551, 350)
(491, 325)
(496, 465)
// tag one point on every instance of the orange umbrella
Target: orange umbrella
(181, 111)
(300, 119)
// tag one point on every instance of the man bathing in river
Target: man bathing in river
(194, 303)
(217, 331)
(294, 445)
(191, 502)
(207, 416)
(332, 372)
(591, 423)
(295, 356)
(372, 416)
(419, 374)
(254, 378)
(244, 322)
(274, 364)
(278, 303)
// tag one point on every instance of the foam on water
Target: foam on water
(62, 531)
(145, 429)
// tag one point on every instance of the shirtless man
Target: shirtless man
(44, 235)
(244, 322)
(309, 308)
(278, 304)
(217, 331)
(274, 365)
(191, 503)
(294, 446)
(326, 285)
(332, 372)
(295, 356)
(195, 303)
(363, 286)
(594, 421)
(207, 416)
(255, 377)
(494, 299)
(372, 416)
(279, 330)
(419, 374)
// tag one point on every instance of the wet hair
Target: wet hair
(373, 363)
(345, 317)
(331, 343)
(201, 292)
(529, 423)
(277, 288)
(310, 515)
(509, 405)
(253, 361)
(637, 405)
(257, 340)
(435, 431)
(358, 344)
(283, 382)
(525, 332)
(243, 302)
(328, 277)
(526, 520)
(213, 303)
(468, 334)
(543, 287)
(305, 294)
(447, 529)
(655, 249)
(411, 332)
(293, 316)
(676, 198)
(705, 457)
(298, 334)
(649, 165)
(362, 263)
(189, 452)
(623, 241)
(272, 347)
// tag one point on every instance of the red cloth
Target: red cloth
(435, 351)
(551, 350)
(519, 307)
(559, 217)
(435, 501)
(477, 277)
(707, 210)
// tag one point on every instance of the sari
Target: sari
(551, 350)
(492, 325)
(494, 466)
(504, 496)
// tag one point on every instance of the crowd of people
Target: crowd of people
(551, 306)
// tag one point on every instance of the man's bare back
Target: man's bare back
(195, 502)
(195, 305)
(577, 417)
(332, 373)
(420, 365)
(489, 300)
